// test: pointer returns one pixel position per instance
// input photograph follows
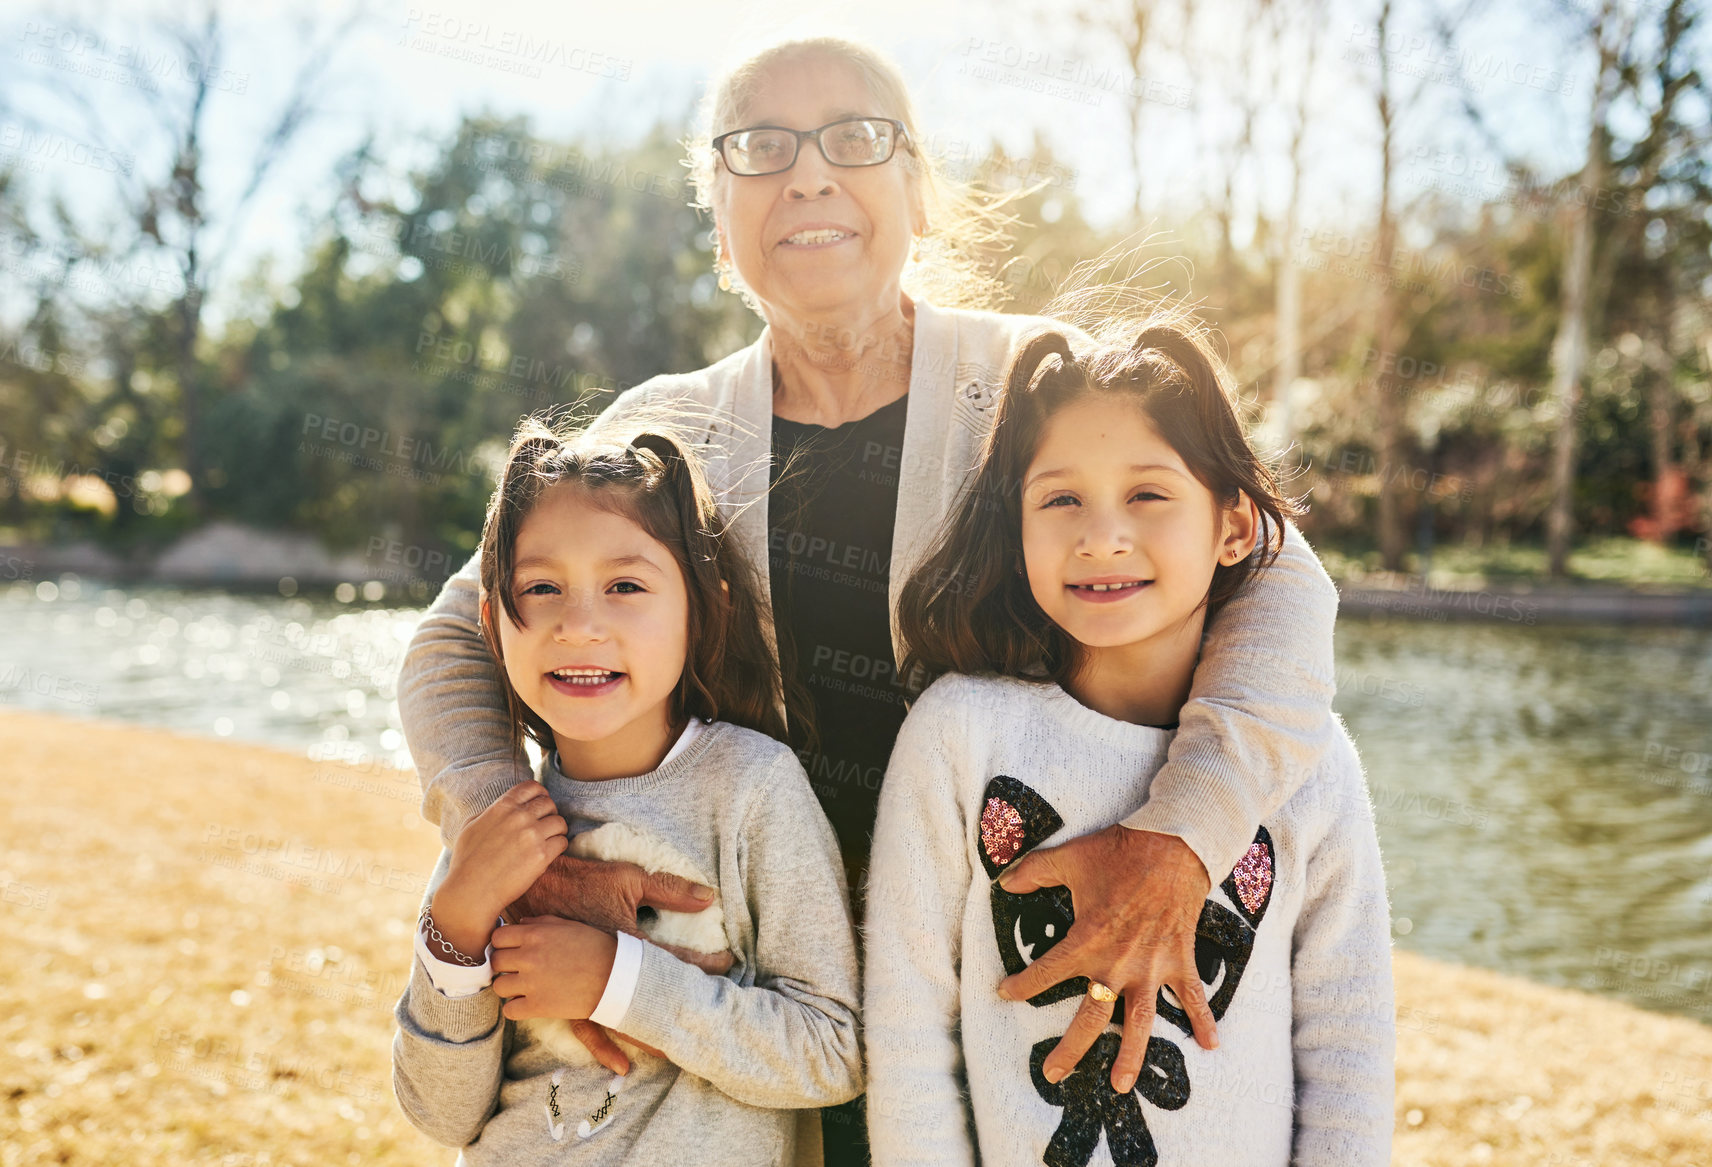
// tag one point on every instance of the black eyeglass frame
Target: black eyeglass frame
(900, 134)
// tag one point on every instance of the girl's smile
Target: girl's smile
(1120, 542)
(604, 633)
(1110, 514)
(583, 682)
(1107, 591)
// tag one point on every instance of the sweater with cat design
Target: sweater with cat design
(1292, 946)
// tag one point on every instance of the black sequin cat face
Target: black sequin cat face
(1224, 938)
(1014, 820)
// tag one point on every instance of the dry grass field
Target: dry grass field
(205, 941)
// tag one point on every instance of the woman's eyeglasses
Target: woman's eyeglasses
(847, 142)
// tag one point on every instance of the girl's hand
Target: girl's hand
(548, 967)
(496, 858)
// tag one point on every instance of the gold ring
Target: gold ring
(1101, 993)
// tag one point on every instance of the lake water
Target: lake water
(1544, 795)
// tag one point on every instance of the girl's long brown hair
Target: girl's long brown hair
(653, 480)
(967, 607)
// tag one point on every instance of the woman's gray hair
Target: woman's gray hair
(965, 225)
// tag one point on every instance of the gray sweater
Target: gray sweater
(779, 1031)
(1294, 947)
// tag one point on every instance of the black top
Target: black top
(833, 505)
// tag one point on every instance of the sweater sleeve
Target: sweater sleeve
(451, 696)
(448, 1056)
(918, 882)
(791, 1038)
(1344, 1028)
(452, 707)
(448, 1052)
(1258, 720)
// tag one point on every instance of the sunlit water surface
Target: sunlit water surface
(1544, 795)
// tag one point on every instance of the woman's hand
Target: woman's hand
(607, 1052)
(548, 967)
(1138, 897)
(608, 895)
(497, 857)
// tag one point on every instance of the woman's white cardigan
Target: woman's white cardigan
(1259, 716)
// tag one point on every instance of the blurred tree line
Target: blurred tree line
(375, 393)
(1411, 369)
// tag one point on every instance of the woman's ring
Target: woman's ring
(1101, 993)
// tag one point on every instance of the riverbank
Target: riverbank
(1610, 581)
(234, 556)
(1421, 598)
(209, 938)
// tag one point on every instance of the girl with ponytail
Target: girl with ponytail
(1060, 617)
(628, 633)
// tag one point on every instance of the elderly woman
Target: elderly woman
(838, 441)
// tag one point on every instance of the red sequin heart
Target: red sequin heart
(1253, 877)
(1001, 831)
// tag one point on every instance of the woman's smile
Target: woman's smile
(850, 226)
(816, 237)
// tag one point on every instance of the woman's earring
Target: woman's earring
(915, 250)
(720, 265)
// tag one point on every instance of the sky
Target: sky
(979, 71)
